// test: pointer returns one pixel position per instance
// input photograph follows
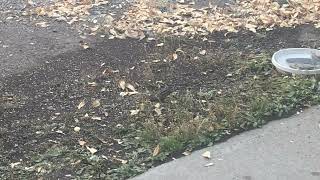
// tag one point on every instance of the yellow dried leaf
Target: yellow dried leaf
(82, 143)
(122, 84)
(85, 46)
(203, 52)
(160, 44)
(132, 93)
(92, 150)
(42, 24)
(124, 94)
(157, 105)
(158, 111)
(81, 104)
(93, 84)
(156, 150)
(208, 165)
(129, 86)
(134, 112)
(251, 27)
(93, 29)
(174, 56)
(76, 129)
(14, 164)
(186, 153)
(122, 161)
(206, 155)
(96, 103)
(96, 118)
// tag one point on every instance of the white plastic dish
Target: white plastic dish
(297, 60)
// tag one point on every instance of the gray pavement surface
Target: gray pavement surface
(24, 46)
(287, 149)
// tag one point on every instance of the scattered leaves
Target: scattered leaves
(185, 19)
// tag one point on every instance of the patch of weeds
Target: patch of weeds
(194, 119)
(170, 144)
(190, 123)
(260, 64)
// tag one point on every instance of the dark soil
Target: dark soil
(38, 108)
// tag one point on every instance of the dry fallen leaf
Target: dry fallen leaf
(93, 29)
(128, 93)
(85, 46)
(129, 86)
(157, 105)
(174, 56)
(81, 104)
(134, 112)
(92, 150)
(30, 2)
(123, 94)
(186, 153)
(82, 143)
(96, 103)
(14, 164)
(156, 150)
(60, 132)
(122, 84)
(206, 155)
(203, 52)
(209, 164)
(158, 111)
(42, 24)
(96, 118)
(76, 129)
(132, 93)
(122, 161)
(160, 44)
(93, 84)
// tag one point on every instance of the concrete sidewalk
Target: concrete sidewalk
(287, 149)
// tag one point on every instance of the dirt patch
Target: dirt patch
(45, 133)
